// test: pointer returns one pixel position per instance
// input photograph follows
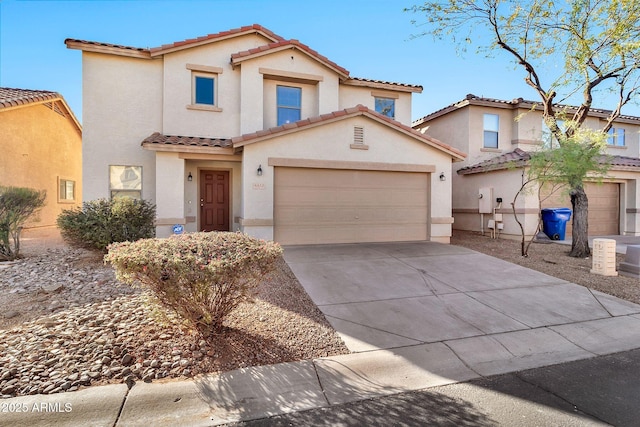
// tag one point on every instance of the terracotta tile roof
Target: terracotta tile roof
(471, 99)
(349, 112)
(86, 43)
(414, 88)
(217, 36)
(514, 158)
(10, 97)
(624, 162)
(160, 139)
(519, 158)
(283, 44)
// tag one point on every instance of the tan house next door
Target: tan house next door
(214, 200)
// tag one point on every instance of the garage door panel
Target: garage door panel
(340, 206)
(604, 207)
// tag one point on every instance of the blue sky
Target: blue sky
(370, 38)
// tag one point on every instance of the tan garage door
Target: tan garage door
(604, 207)
(345, 206)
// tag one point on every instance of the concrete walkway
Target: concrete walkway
(415, 315)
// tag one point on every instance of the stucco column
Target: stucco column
(169, 193)
(632, 214)
(257, 195)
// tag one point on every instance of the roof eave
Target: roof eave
(384, 85)
(159, 51)
(177, 148)
(109, 50)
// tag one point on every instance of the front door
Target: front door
(214, 200)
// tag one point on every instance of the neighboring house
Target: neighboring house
(41, 144)
(497, 135)
(244, 130)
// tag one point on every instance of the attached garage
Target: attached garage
(318, 205)
(604, 207)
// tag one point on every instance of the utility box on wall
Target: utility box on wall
(485, 200)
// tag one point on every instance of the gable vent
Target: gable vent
(358, 135)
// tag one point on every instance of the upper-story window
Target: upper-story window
(204, 87)
(289, 102)
(491, 126)
(548, 139)
(616, 137)
(385, 106)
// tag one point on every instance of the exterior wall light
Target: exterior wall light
(190, 177)
(442, 177)
(259, 171)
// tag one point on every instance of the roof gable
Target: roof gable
(12, 98)
(281, 45)
(154, 52)
(359, 110)
(211, 38)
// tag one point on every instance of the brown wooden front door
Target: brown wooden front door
(214, 200)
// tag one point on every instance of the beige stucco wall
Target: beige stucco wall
(331, 142)
(351, 96)
(39, 146)
(122, 105)
(257, 94)
(505, 184)
(177, 86)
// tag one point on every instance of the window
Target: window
(289, 102)
(125, 181)
(204, 90)
(66, 190)
(548, 140)
(386, 106)
(616, 137)
(204, 87)
(491, 126)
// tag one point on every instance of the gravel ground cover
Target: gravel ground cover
(66, 323)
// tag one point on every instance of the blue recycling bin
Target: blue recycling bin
(554, 222)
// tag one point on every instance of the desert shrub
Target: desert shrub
(98, 223)
(17, 204)
(201, 277)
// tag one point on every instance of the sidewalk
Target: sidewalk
(595, 391)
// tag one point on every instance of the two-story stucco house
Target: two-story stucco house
(41, 144)
(497, 135)
(244, 130)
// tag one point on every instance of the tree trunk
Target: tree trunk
(580, 240)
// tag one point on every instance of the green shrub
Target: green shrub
(101, 222)
(17, 204)
(201, 277)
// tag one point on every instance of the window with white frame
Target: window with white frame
(125, 181)
(616, 137)
(289, 104)
(66, 190)
(385, 106)
(491, 127)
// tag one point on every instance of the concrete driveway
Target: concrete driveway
(492, 315)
